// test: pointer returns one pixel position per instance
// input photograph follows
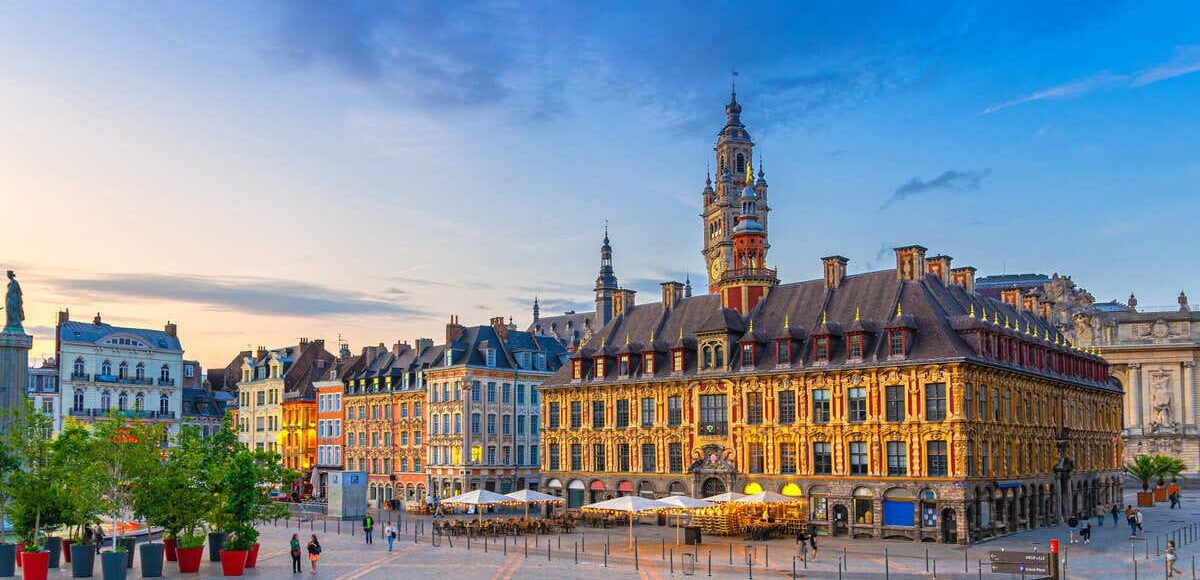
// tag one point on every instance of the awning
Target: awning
(791, 490)
(752, 488)
(554, 483)
(576, 484)
(623, 486)
(597, 485)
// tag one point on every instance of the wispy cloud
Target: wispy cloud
(1185, 61)
(427, 283)
(1098, 81)
(248, 295)
(951, 180)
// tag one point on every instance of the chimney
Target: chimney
(64, 316)
(1044, 308)
(910, 263)
(622, 301)
(423, 343)
(171, 330)
(319, 343)
(964, 277)
(454, 330)
(1011, 297)
(835, 270)
(1029, 303)
(500, 327)
(96, 320)
(261, 352)
(303, 343)
(672, 293)
(939, 266)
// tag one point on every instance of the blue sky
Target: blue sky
(258, 172)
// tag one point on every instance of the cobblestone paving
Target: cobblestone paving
(1111, 554)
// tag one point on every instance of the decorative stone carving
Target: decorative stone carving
(14, 306)
(1162, 400)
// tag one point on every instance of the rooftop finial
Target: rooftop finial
(899, 311)
(971, 314)
(824, 318)
(856, 314)
(733, 83)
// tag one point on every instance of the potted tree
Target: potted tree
(74, 451)
(124, 452)
(219, 451)
(1173, 466)
(1162, 464)
(242, 485)
(270, 474)
(34, 486)
(1143, 468)
(8, 552)
(174, 497)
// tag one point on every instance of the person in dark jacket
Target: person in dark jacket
(295, 552)
(314, 552)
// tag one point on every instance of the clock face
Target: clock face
(716, 268)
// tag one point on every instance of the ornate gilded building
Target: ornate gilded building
(895, 403)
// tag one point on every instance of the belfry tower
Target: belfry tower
(735, 157)
(606, 284)
(748, 279)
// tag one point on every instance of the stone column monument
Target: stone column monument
(14, 353)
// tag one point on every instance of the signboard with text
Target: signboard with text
(1029, 563)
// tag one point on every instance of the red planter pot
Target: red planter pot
(1145, 499)
(233, 562)
(66, 550)
(252, 557)
(36, 565)
(169, 548)
(189, 559)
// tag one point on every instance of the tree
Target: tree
(173, 494)
(73, 456)
(7, 466)
(125, 452)
(250, 475)
(35, 485)
(218, 451)
(1145, 468)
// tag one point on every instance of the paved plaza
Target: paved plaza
(1111, 553)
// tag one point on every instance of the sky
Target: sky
(258, 172)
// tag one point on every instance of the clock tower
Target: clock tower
(735, 158)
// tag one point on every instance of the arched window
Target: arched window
(106, 368)
(446, 423)
(123, 370)
(139, 402)
(707, 357)
(139, 372)
(78, 400)
(105, 401)
(164, 374)
(122, 400)
(457, 423)
(78, 369)
(718, 356)
(164, 404)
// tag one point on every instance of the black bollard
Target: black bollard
(766, 555)
(663, 555)
(547, 551)
(526, 547)
(636, 565)
(886, 574)
(576, 553)
(672, 560)
(926, 559)
(710, 562)
(965, 569)
(731, 553)
(793, 568)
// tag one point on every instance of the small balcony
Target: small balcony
(166, 382)
(127, 413)
(81, 377)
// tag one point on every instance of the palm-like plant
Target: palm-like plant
(1143, 468)
(1173, 466)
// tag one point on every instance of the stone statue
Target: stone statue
(14, 306)
(1162, 399)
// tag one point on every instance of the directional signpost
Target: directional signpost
(1033, 564)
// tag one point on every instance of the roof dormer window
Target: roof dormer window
(648, 363)
(623, 365)
(854, 346)
(821, 349)
(677, 360)
(600, 367)
(577, 369)
(747, 355)
(897, 343)
(783, 351)
(490, 357)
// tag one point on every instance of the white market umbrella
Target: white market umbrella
(682, 503)
(478, 497)
(724, 497)
(766, 497)
(630, 504)
(528, 496)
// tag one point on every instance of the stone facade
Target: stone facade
(44, 393)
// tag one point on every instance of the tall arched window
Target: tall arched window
(139, 372)
(707, 357)
(105, 401)
(139, 402)
(122, 400)
(106, 368)
(78, 406)
(164, 374)
(718, 356)
(78, 369)
(164, 404)
(123, 370)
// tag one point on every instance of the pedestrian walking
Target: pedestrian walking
(1100, 515)
(1072, 523)
(99, 537)
(1085, 531)
(1115, 510)
(1171, 558)
(295, 552)
(1131, 520)
(812, 543)
(1137, 519)
(1175, 500)
(314, 552)
(389, 533)
(368, 526)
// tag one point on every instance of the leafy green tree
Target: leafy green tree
(173, 494)
(35, 486)
(125, 452)
(7, 466)
(218, 452)
(73, 456)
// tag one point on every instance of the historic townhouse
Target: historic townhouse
(277, 401)
(384, 425)
(330, 416)
(131, 371)
(896, 403)
(42, 390)
(483, 407)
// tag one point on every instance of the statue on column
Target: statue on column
(14, 306)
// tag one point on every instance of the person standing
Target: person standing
(1115, 511)
(1131, 520)
(802, 541)
(1137, 519)
(1085, 530)
(295, 553)
(1172, 556)
(1072, 523)
(1175, 500)
(368, 526)
(389, 533)
(812, 543)
(314, 552)
(1100, 515)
